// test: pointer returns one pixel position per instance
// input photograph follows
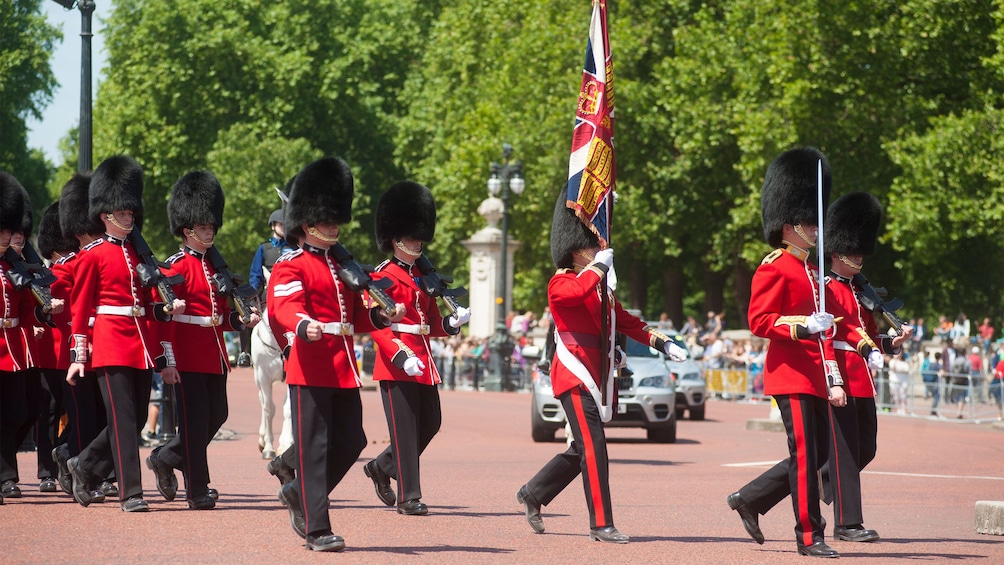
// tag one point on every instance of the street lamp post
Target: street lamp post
(84, 156)
(506, 177)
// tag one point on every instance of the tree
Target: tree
(26, 85)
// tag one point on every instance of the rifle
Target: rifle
(435, 285)
(872, 299)
(27, 271)
(226, 283)
(356, 276)
(150, 274)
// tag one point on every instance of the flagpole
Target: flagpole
(819, 236)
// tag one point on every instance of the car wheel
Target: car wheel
(679, 413)
(538, 429)
(663, 435)
(697, 412)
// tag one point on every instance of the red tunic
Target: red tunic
(304, 286)
(17, 304)
(576, 303)
(783, 296)
(858, 331)
(422, 310)
(199, 348)
(106, 276)
(59, 336)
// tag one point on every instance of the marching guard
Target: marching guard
(195, 210)
(575, 297)
(318, 314)
(851, 228)
(800, 371)
(405, 369)
(129, 337)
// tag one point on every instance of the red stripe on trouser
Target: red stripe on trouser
(589, 453)
(115, 430)
(835, 467)
(798, 429)
(299, 453)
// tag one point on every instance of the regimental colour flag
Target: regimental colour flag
(591, 163)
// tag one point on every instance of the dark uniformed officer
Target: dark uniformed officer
(261, 268)
(129, 335)
(408, 377)
(800, 371)
(575, 297)
(317, 314)
(195, 210)
(851, 228)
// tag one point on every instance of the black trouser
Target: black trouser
(806, 423)
(328, 428)
(586, 456)
(50, 410)
(126, 394)
(202, 407)
(413, 419)
(21, 390)
(85, 411)
(852, 447)
(245, 339)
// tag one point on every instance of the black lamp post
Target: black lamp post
(84, 158)
(506, 177)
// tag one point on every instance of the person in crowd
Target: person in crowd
(801, 370)
(575, 295)
(933, 374)
(195, 212)
(986, 335)
(317, 312)
(997, 381)
(960, 380)
(405, 367)
(961, 329)
(129, 337)
(945, 328)
(899, 382)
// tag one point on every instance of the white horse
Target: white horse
(266, 358)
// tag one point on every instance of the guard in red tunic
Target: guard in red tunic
(85, 410)
(575, 297)
(17, 310)
(409, 379)
(851, 227)
(318, 314)
(195, 210)
(130, 336)
(52, 246)
(800, 371)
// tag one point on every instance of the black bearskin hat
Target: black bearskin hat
(12, 203)
(789, 191)
(27, 219)
(117, 184)
(73, 207)
(568, 233)
(50, 234)
(852, 224)
(197, 198)
(321, 193)
(406, 209)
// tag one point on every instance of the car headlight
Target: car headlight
(657, 382)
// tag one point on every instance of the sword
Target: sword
(819, 234)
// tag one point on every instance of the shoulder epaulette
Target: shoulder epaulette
(563, 271)
(93, 244)
(289, 255)
(66, 258)
(175, 258)
(382, 265)
(771, 257)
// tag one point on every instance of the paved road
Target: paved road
(920, 494)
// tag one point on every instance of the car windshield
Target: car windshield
(636, 349)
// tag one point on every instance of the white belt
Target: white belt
(204, 321)
(416, 329)
(843, 345)
(132, 311)
(9, 322)
(338, 328)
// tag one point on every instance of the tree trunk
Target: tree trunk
(638, 285)
(672, 297)
(742, 277)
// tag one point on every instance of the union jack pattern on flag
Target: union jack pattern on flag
(591, 163)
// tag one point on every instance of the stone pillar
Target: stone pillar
(485, 247)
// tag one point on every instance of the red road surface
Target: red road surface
(920, 494)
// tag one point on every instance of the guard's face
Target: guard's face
(119, 223)
(4, 239)
(17, 241)
(200, 236)
(413, 245)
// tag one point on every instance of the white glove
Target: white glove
(675, 352)
(819, 322)
(605, 256)
(413, 366)
(875, 360)
(460, 317)
(612, 279)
